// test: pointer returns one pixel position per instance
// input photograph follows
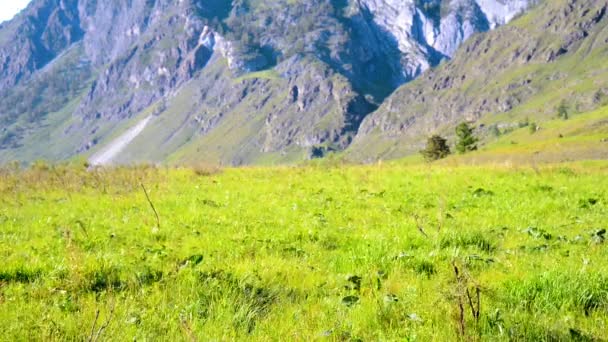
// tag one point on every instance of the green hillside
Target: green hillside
(556, 53)
(581, 137)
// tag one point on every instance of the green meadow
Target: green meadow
(323, 252)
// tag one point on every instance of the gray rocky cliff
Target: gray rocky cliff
(428, 31)
(36, 37)
(312, 71)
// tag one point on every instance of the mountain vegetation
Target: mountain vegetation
(225, 82)
(555, 52)
(250, 170)
(467, 141)
(436, 148)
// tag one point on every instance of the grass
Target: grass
(315, 252)
(269, 74)
(582, 137)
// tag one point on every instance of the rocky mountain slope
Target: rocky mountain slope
(517, 73)
(233, 82)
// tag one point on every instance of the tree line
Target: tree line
(437, 146)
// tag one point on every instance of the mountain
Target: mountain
(243, 81)
(517, 73)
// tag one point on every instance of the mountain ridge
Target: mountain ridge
(234, 82)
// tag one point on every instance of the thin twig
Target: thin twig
(477, 295)
(105, 324)
(478, 292)
(82, 227)
(93, 327)
(419, 226)
(474, 311)
(151, 205)
(188, 330)
(461, 318)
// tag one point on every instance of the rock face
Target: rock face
(428, 31)
(30, 42)
(230, 81)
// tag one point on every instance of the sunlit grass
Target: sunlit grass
(312, 252)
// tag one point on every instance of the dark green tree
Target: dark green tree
(436, 148)
(562, 110)
(495, 130)
(467, 141)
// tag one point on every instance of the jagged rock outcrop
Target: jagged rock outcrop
(428, 31)
(36, 38)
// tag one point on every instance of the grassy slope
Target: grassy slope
(50, 135)
(582, 137)
(266, 253)
(174, 137)
(494, 66)
(43, 135)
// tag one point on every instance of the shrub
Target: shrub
(562, 110)
(495, 131)
(436, 148)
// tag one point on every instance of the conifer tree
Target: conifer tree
(467, 141)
